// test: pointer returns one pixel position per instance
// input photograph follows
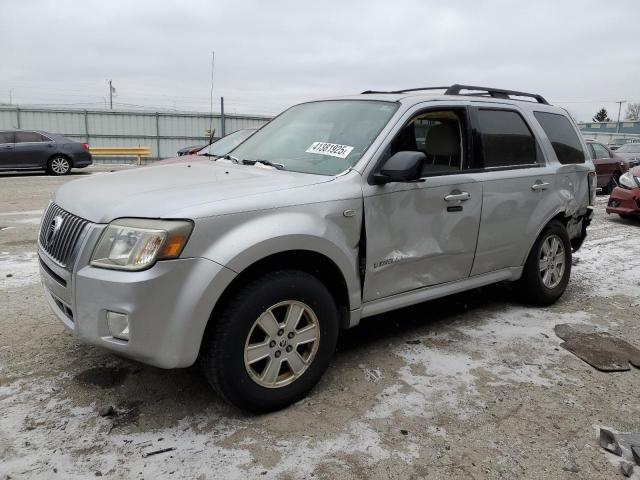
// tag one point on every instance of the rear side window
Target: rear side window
(562, 136)
(506, 139)
(600, 151)
(27, 137)
(6, 137)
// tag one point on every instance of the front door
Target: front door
(424, 233)
(32, 150)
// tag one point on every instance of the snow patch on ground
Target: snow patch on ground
(437, 378)
(37, 420)
(608, 263)
(18, 270)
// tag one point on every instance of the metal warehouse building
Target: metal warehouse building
(612, 132)
(163, 132)
(611, 127)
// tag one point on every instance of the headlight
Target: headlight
(627, 180)
(136, 244)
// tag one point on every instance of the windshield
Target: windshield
(630, 148)
(223, 146)
(323, 138)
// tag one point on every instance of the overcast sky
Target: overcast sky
(583, 55)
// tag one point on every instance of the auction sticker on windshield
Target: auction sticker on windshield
(331, 149)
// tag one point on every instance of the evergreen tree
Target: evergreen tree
(602, 116)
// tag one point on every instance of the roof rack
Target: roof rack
(474, 92)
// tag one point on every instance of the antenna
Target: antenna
(213, 63)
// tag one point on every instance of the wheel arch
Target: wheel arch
(309, 261)
(560, 216)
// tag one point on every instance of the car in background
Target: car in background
(194, 148)
(609, 165)
(39, 150)
(625, 199)
(217, 149)
(616, 143)
(630, 151)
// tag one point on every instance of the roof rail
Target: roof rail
(475, 92)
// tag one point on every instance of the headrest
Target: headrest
(443, 139)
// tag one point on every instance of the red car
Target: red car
(217, 149)
(625, 199)
(609, 165)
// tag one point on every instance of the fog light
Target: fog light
(118, 325)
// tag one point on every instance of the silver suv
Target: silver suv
(335, 211)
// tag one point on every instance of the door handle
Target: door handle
(538, 187)
(457, 197)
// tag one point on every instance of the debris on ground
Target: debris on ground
(156, 452)
(625, 445)
(372, 374)
(106, 411)
(599, 349)
(414, 342)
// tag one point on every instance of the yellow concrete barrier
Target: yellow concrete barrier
(137, 152)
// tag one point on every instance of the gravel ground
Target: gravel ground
(472, 386)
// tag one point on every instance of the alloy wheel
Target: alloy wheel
(60, 166)
(281, 344)
(552, 261)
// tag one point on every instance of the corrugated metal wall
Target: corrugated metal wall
(164, 133)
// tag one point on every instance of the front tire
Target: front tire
(58, 165)
(548, 267)
(271, 342)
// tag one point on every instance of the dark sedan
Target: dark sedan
(38, 150)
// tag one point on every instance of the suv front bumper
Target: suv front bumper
(168, 306)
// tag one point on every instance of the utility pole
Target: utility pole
(620, 102)
(110, 95)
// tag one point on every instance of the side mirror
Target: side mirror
(401, 167)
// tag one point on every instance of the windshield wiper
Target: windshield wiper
(230, 157)
(279, 166)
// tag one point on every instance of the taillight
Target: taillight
(593, 185)
(85, 146)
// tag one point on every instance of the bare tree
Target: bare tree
(633, 112)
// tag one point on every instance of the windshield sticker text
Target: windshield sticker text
(331, 149)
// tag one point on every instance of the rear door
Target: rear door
(518, 186)
(605, 165)
(7, 159)
(32, 150)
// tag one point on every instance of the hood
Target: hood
(168, 191)
(628, 155)
(182, 159)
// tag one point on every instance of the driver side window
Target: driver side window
(439, 135)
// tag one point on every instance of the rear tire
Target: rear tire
(237, 353)
(58, 165)
(548, 267)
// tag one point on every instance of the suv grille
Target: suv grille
(60, 232)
